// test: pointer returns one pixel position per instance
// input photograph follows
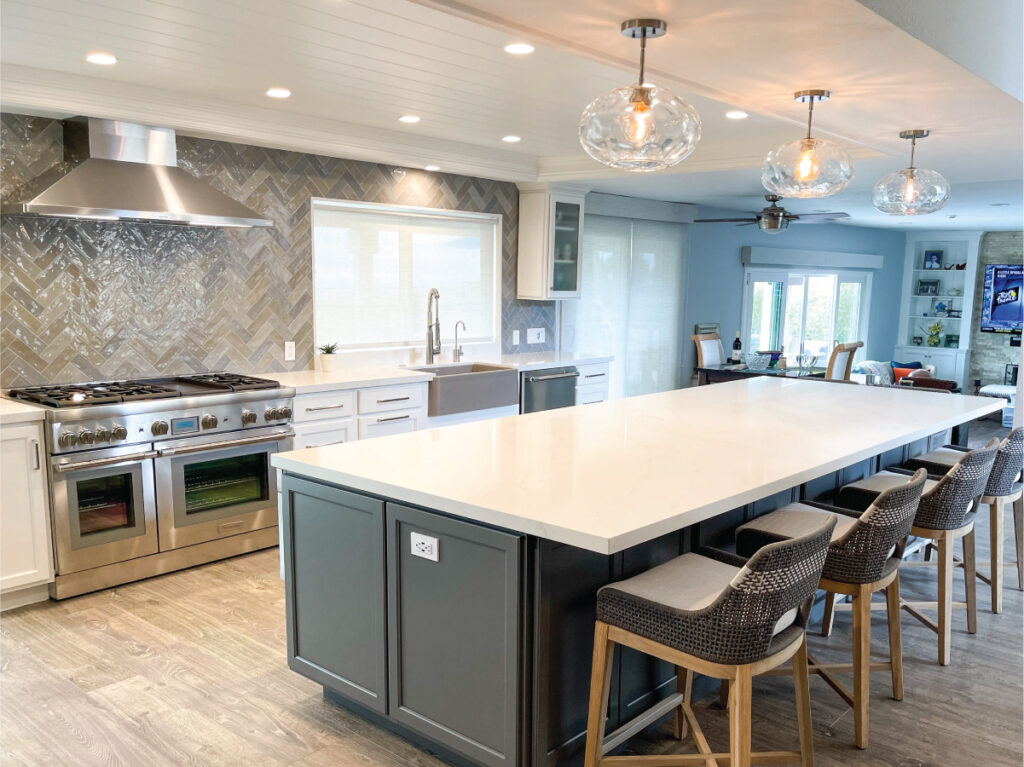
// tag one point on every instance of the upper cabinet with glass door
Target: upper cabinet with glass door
(550, 230)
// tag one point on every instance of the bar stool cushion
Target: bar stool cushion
(788, 522)
(862, 493)
(687, 583)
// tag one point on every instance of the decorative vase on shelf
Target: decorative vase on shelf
(934, 332)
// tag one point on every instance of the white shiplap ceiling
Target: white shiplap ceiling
(355, 66)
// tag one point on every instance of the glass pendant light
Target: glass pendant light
(808, 167)
(911, 191)
(640, 127)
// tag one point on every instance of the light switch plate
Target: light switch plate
(515, 338)
(535, 335)
(289, 351)
(425, 547)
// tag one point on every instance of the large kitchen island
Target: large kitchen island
(442, 583)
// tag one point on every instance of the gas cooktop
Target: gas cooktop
(104, 393)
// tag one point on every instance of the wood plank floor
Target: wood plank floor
(189, 668)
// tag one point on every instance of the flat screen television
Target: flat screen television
(1002, 302)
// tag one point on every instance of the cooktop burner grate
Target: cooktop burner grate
(78, 395)
(233, 381)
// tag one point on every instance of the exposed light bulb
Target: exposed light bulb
(638, 124)
(910, 191)
(807, 167)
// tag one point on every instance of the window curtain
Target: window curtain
(631, 304)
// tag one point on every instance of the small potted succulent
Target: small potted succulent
(328, 357)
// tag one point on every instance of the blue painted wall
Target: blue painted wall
(714, 274)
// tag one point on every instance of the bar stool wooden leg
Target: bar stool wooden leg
(1018, 529)
(802, 684)
(996, 535)
(945, 596)
(600, 680)
(861, 664)
(971, 582)
(723, 694)
(684, 685)
(740, 705)
(892, 603)
(830, 608)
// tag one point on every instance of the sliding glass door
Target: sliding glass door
(804, 311)
(632, 304)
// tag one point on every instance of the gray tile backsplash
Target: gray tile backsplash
(92, 300)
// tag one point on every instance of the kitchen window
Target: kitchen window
(804, 310)
(373, 266)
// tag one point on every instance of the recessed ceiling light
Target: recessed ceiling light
(409, 119)
(511, 139)
(519, 49)
(431, 167)
(101, 58)
(736, 114)
(278, 93)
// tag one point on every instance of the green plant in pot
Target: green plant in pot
(934, 332)
(328, 357)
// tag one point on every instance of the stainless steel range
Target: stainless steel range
(154, 475)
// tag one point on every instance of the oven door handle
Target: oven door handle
(60, 468)
(228, 443)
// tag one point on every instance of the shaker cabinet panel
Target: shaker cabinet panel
(454, 633)
(26, 556)
(335, 596)
(550, 237)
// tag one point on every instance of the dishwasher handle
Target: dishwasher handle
(534, 379)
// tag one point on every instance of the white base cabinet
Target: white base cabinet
(26, 553)
(592, 385)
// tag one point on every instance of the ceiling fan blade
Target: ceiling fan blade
(724, 220)
(819, 218)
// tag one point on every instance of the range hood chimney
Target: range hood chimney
(130, 172)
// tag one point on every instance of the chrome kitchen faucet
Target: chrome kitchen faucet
(433, 324)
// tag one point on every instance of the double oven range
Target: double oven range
(153, 475)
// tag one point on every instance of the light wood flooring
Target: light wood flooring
(189, 668)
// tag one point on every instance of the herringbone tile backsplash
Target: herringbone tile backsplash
(86, 301)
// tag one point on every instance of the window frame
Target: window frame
(753, 274)
(415, 211)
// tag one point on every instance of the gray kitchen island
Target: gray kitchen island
(442, 583)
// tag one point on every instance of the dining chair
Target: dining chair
(709, 349)
(841, 362)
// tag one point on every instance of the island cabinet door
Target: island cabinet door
(454, 633)
(335, 589)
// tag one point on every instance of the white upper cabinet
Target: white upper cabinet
(550, 231)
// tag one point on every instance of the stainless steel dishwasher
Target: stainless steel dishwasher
(547, 389)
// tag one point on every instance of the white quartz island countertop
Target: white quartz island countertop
(612, 475)
(15, 411)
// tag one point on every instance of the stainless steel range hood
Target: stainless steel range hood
(130, 172)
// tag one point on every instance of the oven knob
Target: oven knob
(102, 435)
(248, 417)
(284, 412)
(86, 437)
(119, 432)
(67, 439)
(159, 427)
(209, 421)
(271, 414)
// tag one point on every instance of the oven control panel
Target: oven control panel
(84, 433)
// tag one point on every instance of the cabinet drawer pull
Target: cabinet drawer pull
(324, 407)
(394, 417)
(35, 452)
(328, 444)
(392, 399)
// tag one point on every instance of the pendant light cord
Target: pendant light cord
(810, 115)
(913, 146)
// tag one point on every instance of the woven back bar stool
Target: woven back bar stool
(1003, 489)
(863, 557)
(721, 616)
(943, 517)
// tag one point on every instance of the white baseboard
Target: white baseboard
(26, 596)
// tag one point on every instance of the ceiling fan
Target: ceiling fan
(774, 218)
